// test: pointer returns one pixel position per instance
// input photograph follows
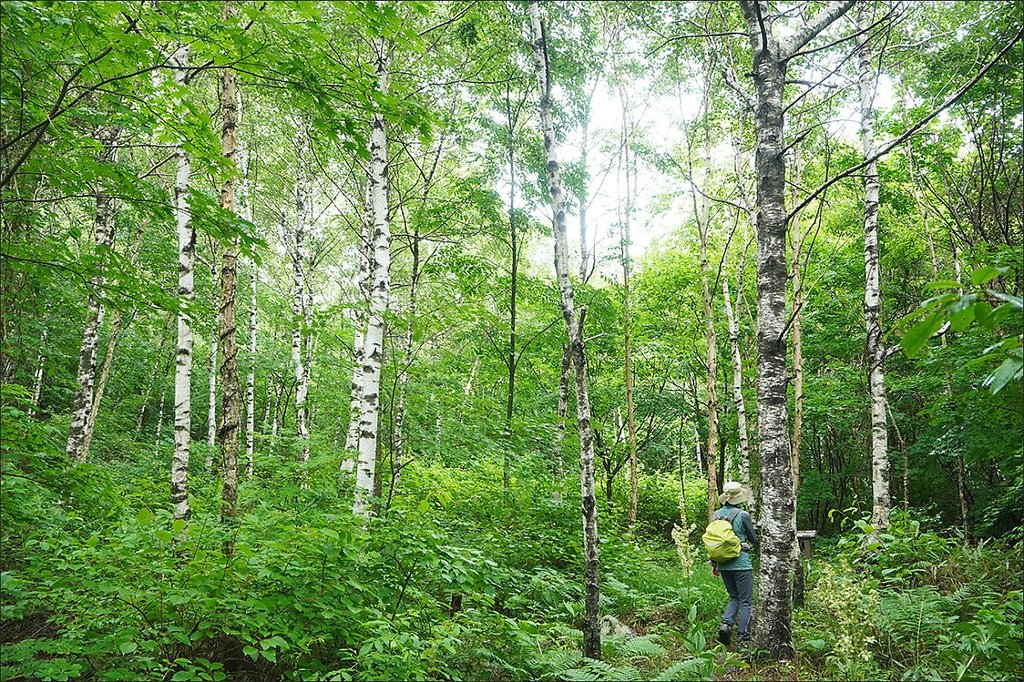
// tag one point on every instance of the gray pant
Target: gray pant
(740, 586)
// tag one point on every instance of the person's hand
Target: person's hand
(714, 571)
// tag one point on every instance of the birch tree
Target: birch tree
(771, 58)
(875, 349)
(380, 287)
(360, 320)
(229, 425)
(299, 312)
(590, 625)
(104, 225)
(186, 293)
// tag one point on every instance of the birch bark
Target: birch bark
(37, 374)
(872, 294)
(703, 212)
(348, 461)
(229, 421)
(563, 410)
(299, 313)
(211, 414)
(104, 222)
(398, 456)
(373, 348)
(590, 626)
(186, 293)
(250, 383)
(771, 57)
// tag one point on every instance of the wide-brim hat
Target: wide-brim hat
(733, 493)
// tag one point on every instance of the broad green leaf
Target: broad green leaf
(917, 338)
(1012, 368)
(145, 517)
(986, 273)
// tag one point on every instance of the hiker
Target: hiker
(737, 573)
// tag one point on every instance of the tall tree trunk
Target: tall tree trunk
(737, 392)
(108, 358)
(186, 294)
(211, 413)
(563, 410)
(250, 383)
(229, 421)
(624, 243)
(702, 209)
(373, 349)
(590, 625)
(156, 368)
(775, 577)
(101, 381)
(513, 242)
(398, 456)
(872, 295)
(299, 314)
(37, 374)
(160, 420)
(348, 461)
(104, 221)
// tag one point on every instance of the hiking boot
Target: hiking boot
(724, 634)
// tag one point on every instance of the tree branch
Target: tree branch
(819, 22)
(888, 147)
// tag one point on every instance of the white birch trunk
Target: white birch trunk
(104, 221)
(563, 411)
(211, 414)
(711, 340)
(872, 294)
(348, 462)
(373, 349)
(773, 632)
(37, 375)
(250, 383)
(398, 456)
(186, 293)
(299, 300)
(230, 420)
(590, 626)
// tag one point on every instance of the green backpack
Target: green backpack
(721, 540)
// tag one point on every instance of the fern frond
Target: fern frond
(642, 647)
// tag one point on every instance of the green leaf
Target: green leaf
(917, 338)
(127, 647)
(942, 284)
(145, 516)
(251, 652)
(1011, 368)
(164, 535)
(986, 273)
(178, 525)
(961, 314)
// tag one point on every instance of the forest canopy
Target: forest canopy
(418, 340)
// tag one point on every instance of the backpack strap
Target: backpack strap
(730, 518)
